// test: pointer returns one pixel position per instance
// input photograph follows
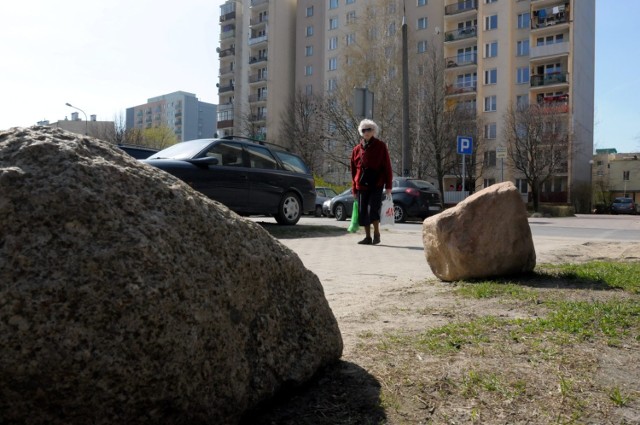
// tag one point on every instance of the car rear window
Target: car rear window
(292, 162)
(622, 201)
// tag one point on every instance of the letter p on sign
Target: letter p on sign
(465, 145)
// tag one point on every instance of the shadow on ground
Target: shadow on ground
(301, 230)
(340, 394)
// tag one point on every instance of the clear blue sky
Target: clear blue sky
(104, 56)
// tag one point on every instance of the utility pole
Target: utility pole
(406, 146)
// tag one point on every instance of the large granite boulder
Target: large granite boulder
(127, 297)
(485, 235)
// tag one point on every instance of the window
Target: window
(309, 30)
(490, 104)
(466, 80)
(422, 2)
(522, 186)
(522, 75)
(351, 17)
(491, 22)
(333, 64)
(422, 46)
(522, 48)
(490, 130)
(308, 51)
(308, 70)
(489, 182)
(391, 31)
(422, 23)
(309, 11)
(550, 39)
(308, 89)
(491, 76)
(351, 1)
(522, 101)
(333, 4)
(490, 159)
(491, 50)
(524, 20)
(261, 158)
(333, 43)
(350, 39)
(490, 1)
(333, 23)
(332, 84)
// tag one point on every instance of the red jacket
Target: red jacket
(375, 156)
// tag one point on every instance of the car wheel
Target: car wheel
(340, 212)
(318, 212)
(399, 213)
(289, 210)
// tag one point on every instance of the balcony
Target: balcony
(549, 79)
(225, 89)
(462, 60)
(556, 104)
(226, 52)
(257, 98)
(228, 16)
(461, 7)
(225, 124)
(254, 59)
(258, 21)
(460, 89)
(460, 34)
(225, 70)
(257, 78)
(258, 117)
(256, 3)
(549, 50)
(550, 16)
(227, 34)
(256, 40)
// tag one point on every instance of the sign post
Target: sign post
(465, 147)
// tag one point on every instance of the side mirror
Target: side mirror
(206, 160)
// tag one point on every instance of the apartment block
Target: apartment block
(497, 53)
(182, 112)
(256, 74)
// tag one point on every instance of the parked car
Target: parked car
(623, 206)
(411, 198)
(323, 194)
(251, 178)
(138, 152)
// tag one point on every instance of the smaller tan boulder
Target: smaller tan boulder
(485, 235)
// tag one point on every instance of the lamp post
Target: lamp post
(86, 133)
(406, 144)
(591, 185)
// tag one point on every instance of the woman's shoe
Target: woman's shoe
(376, 239)
(366, 241)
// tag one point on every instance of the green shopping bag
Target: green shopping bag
(354, 226)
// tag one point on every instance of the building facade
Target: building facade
(498, 54)
(615, 175)
(104, 130)
(182, 112)
(256, 74)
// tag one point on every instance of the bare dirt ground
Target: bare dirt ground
(387, 376)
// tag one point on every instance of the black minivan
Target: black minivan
(249, 177)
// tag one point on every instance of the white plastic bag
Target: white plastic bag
(387, 216)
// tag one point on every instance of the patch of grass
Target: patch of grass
(618, 398)
(614, 275)
(494, 289)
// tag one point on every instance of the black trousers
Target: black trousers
(369, 204)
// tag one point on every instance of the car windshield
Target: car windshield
(182, 150)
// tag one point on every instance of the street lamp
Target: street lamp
(85, 117)
(591, 185)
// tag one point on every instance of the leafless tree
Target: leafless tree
(302, 125)
(537, 145)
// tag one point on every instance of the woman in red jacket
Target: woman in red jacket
(370, 173)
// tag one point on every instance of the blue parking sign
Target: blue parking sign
(465, 145)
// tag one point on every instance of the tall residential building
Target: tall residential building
(257, 56)
(180, 111)
(497, 54)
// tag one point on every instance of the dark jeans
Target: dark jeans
(369, 204)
